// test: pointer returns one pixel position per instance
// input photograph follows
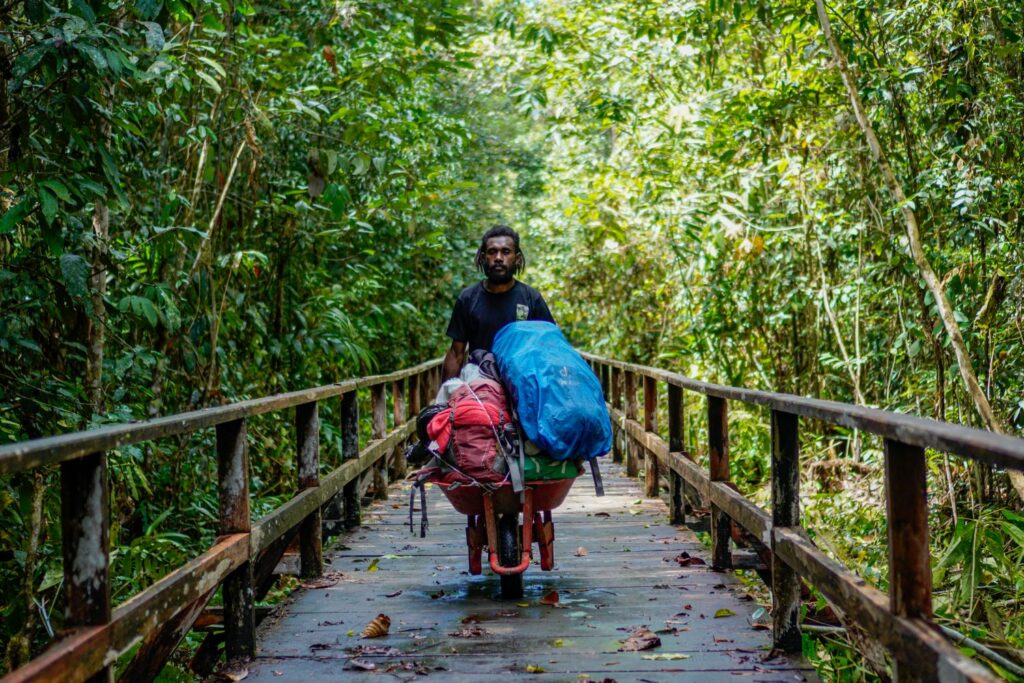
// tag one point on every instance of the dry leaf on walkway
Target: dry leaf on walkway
(581, 552)
(602, 514)
(378, 627)
(393, 595)
(642, 638)
(469, 632)
(550, 599)
(686, 560)
(360, 665)
(534, 669)
(665, 656)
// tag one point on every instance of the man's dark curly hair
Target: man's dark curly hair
(500, 230)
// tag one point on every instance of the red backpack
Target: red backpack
(468, 431)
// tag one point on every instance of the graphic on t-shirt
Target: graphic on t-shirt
(522, 312)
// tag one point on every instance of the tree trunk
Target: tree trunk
(98, 320)
(924, 267)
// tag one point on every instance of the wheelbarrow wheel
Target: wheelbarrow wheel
(509, 556)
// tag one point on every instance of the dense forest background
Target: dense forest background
(209, 200)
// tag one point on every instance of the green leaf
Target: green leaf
(75, 271)
(58, 189)
(145, 308)
(94, 54)
(148, 9)
(48, 203)
(361, 163)
(724, 612)
(210, 80)
(154, 35)
(13, 216)
(214, 65)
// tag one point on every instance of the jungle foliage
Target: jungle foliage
(203, 201)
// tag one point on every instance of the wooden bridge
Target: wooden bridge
(625, 561)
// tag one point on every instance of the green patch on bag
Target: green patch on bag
(537, 467)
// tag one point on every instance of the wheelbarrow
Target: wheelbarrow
(493, 519)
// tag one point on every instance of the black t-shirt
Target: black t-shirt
(479, 314)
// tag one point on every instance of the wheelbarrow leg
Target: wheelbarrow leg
(475, 542)
(544, 530)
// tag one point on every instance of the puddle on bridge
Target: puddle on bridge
(448, 625)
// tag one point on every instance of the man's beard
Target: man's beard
(500, 276)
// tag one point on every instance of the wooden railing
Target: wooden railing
(901, 621)
(243, 559)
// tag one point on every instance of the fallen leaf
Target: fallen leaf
(373, 565)
(684, 559)
(724, 612)
(534, 669)
(396, 505)
(438, 594)
(471, 619)
(523, 604)
(360, 665)
(665, 656)
(469, 632)
(361, 650)
(550, 599)
(278, 673)
(377, 627)
(642, 638)
(602, 514)
(393, 595)
(351, 632)
(581, 552)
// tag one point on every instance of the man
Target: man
(484, 308)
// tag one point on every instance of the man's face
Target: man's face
(500, 260)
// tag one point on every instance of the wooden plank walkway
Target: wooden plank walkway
(627, 577)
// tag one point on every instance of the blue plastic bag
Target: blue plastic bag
(559, 400)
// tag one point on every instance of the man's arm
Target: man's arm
(453, 360)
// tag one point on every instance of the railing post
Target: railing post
(307, 439)
(398, 406)
(605, 380)
(651, 468)
(350, 450)
(677, 494)
(785, 513)
(378, 404)
(415, 395)
(618, 438)
(718, 452)
(85, 528)
(233, 479)
(631, 411)
(906, 503)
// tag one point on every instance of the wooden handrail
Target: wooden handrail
(989, 447)
(51, 450)
(243, 558)
(902, 622)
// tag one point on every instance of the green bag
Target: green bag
(538, 467)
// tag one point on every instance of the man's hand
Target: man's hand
(453, 360)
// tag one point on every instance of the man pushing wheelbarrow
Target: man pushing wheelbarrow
(509, 430)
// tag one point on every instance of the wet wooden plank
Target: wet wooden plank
(627, 576)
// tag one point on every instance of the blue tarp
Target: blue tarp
(557, 396)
